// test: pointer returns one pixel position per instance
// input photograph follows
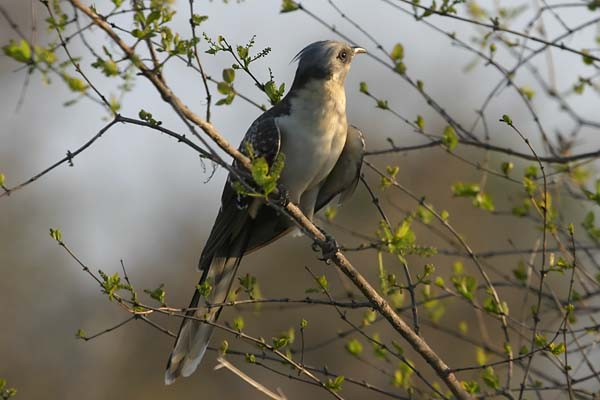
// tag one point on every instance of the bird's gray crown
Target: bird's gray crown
(322, 60)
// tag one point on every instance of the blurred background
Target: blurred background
(144, 199)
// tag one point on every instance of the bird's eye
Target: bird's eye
(343, 55)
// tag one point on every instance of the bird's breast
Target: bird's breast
(312, 136)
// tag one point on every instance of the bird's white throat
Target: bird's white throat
(321, 96)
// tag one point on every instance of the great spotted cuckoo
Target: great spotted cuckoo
(323, 158)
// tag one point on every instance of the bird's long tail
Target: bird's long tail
(194, 335)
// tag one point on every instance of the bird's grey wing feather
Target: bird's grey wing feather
(264, 137)
(235, 232)
(345, 175)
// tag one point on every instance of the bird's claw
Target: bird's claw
(283, 197)
(329, 247)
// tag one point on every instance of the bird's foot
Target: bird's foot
(283, 197)
(329, 247)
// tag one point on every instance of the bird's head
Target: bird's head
(325, 60)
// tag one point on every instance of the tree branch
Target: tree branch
(415, 341)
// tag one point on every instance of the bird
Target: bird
(323, 157)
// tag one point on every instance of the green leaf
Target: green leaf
(529, 185)
(520, 273)
(275, 94)
(288, 6)
(319, 289)
(490, 378)
(491, 306)
(152, 17)
(264, 176)
(521, 210)
(322, 281)
(335, 384)
(111, 284)
(146, 116)
(531, 172)
(540, 340)
(364, 88)
(369, 317)
(579, 87)
(280, 342)
(226, 100)
(250, 358)
(204, 289)
(449, 138)
(402, 375)
(250, 286)
(238, 323)
(399, 349)
(586, 57)
(527, 91)
(397, 53)
(483, 201)
(460, 189)
(470, 387)
(44, 55)
(6, 394)
(108, 67)
(383, 104)
(303, 324)
(228, 75)
(458, 268)
(80, 334)
(445, 215)
(224, 347)
(507, 167)
(556, 349)
(400, 68)
(354, 347)
(379, 351)
(142, 34)
(481, 357)
(506, 119)
(392, 171)
(508, 350)
(224, 87)
(399, 241)
(75, 84)
(420, 122)
(56, 234)
(114, 104)
(2, 179)
(424, 215)
(198, 19)
(243, 53)
(20, 52)
(465, 285)
(157, 294)
(330, 213)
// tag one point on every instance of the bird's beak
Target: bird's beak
(358, 50)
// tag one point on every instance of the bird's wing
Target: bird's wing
(264, 137)
(236, 231)
(344, 177)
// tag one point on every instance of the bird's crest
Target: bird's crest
(315, 50)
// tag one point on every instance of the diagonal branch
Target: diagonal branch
(379, 303)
